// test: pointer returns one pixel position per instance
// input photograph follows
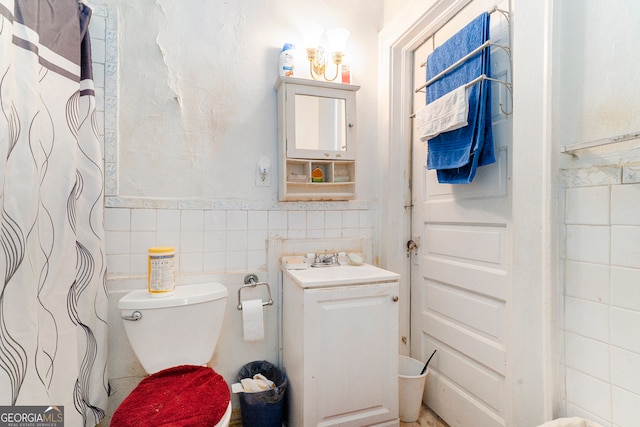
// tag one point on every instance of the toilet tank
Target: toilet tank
(179, 329)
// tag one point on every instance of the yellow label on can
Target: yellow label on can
(161, 277)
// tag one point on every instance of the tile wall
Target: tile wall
(218, 241)
(601, 295)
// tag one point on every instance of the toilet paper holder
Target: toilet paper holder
(251, 281)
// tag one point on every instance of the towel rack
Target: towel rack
(251, 281)
(569, 149)
(462, 60)
(490, 12)
(478, 79)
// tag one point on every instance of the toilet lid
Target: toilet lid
(184, 395)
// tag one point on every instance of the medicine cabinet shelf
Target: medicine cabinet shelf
(316, 130)
(337, 179)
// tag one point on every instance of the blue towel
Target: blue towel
(455, 155)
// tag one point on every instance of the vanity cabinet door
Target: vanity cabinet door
(349, 350)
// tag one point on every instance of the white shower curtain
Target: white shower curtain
(53, 304)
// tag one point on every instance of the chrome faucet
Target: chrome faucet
(325, 260)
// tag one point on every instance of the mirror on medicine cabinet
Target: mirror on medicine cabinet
(317, 139)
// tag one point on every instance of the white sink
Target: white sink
(322, 277)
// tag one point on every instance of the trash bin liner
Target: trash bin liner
(264, 408)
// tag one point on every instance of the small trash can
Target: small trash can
(264, 408)
(410, 388)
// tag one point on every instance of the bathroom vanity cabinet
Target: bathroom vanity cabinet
(316, 132)
(340, 346)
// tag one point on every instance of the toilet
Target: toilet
(174, 338)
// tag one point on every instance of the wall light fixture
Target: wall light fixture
(316, 53)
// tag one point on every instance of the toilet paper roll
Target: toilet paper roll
(253, 320)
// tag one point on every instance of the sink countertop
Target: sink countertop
(322, 277)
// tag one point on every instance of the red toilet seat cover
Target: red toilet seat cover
(180, 396)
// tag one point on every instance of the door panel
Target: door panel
(460, 274)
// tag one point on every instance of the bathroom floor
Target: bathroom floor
(427, 419)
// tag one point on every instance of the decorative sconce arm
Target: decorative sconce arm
(318, 58)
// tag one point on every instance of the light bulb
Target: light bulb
(311, 34)
(337, 39)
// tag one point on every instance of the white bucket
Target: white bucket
(410, 388)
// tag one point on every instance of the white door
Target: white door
(460, 274)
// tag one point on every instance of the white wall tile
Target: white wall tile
(138, 265)
(277, 220)
(625, 288)
(625, 246)
(257, 240)
(236, 240)
(191, 219)
(366, 219)
(214, 261)
(587, 281)
(191, 262)
(296, 234)
(169, 238)
(625, 330)
(143, 220)
(236, 261)
(589, 243)
(117, 219)
(237, 220)
(626, 408)
(588, 356)
(168, 219)
(258, 220)
(315, 234)
(587, 318)
(350, 219)
(588, 205)
(141, 241)
(118, 265)
(297, 220)
(331, 233)
(215, 241)
(315, 220)
(333, 220)
(191, 241)
(215, 220)
(98, 47)
(625, 204)
(350, 232)
(117, 242)
(257, 260)
(279, 234)
(624, 369)
(588, 392)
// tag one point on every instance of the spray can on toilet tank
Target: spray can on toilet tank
(162, 271)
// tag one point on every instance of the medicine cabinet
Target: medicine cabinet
(317, 139)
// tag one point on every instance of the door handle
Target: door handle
(411, 245)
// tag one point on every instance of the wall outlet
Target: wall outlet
(263, 173)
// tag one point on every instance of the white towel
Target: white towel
(256, 384)
(447, 113)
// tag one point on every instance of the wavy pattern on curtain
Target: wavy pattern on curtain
(53, 300)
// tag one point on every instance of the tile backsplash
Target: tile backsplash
(218, 241)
